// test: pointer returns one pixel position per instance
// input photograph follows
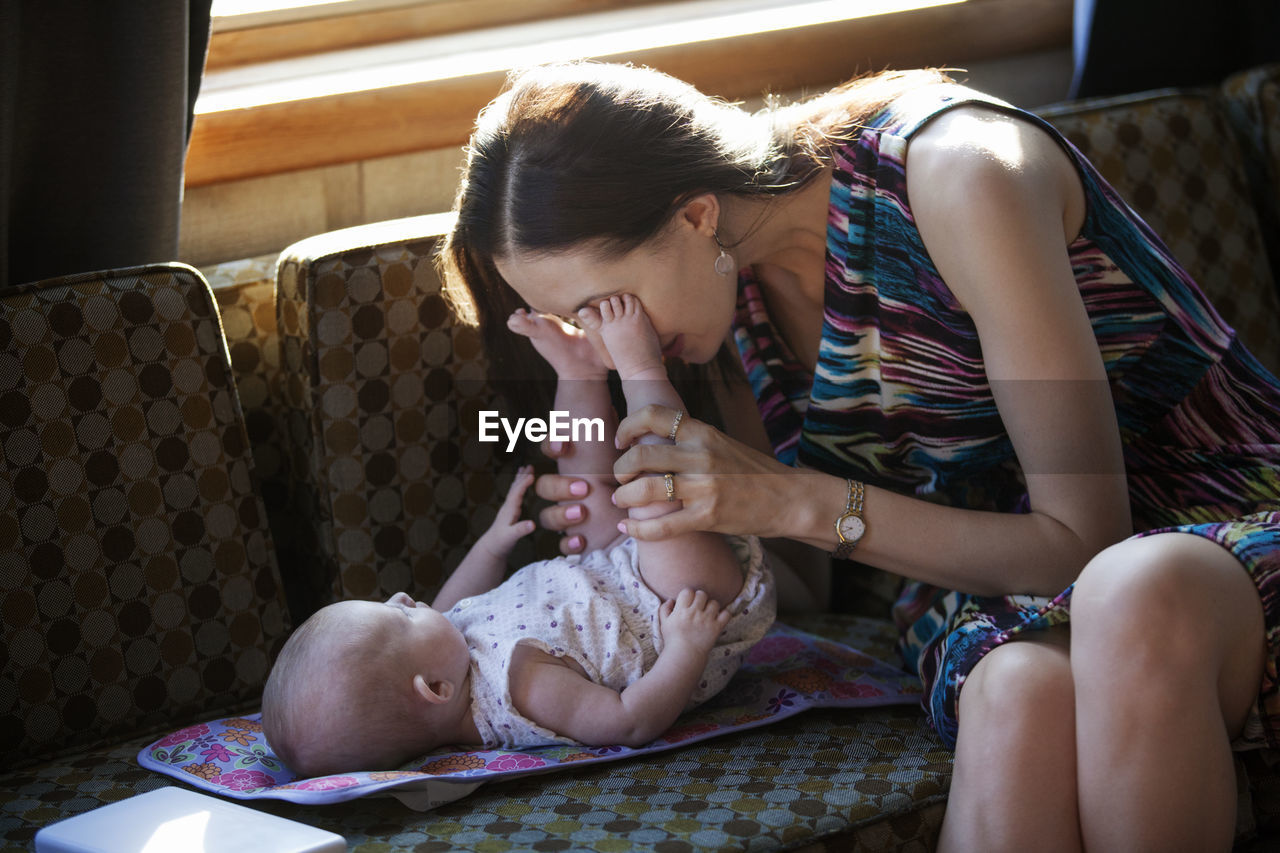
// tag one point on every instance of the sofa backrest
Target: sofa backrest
(139, 579)
(246, 295)
(383, 394)
(1252, 100)
(1173, 157)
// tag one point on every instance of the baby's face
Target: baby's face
(419, 635)
(402, 638)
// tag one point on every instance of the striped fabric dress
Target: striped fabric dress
(900, 398)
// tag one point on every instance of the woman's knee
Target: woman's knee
(1020, 686)
(1173, 603)
(1156, 581)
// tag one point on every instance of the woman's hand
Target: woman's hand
(724, 486)
(567, 510)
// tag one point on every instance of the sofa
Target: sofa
(193, 461)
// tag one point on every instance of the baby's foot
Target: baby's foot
(627, 334)
(567, 351)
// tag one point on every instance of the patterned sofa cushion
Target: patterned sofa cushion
(139, 581)
(246, 294)
(1252, 99)
(383, 394)
(1173, 157)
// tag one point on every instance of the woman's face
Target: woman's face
(688, 302)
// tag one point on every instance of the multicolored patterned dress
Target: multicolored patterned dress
(900, 398)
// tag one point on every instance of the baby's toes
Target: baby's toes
(608, 309)
(519, 323)
(630, 305)
(590, 318)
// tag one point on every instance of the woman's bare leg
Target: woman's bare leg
(1168, 650)
(1014, 785)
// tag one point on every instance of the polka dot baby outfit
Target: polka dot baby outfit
(596, 610)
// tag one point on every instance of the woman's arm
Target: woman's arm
(1021, 203)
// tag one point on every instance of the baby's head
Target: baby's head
(365, 685)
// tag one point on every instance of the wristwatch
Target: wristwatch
(850, 526)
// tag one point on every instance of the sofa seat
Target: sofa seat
(872, 779)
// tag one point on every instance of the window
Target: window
(306, 83)
(246, 31)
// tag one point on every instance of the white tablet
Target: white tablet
(175, 819)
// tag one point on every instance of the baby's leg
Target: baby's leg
(581, 390)
(698, 560)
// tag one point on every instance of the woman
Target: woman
(973, 364)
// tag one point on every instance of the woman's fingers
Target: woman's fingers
(718, 484)
(655, 420)
(654, 529)
(564, 512)
(557, 449)
(560, 517)
(558, 487)
(654, 459)
(646, 490)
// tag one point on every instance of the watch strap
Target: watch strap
(853, 506)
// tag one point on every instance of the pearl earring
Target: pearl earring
(724, 261)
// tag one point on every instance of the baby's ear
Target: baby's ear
(435, 692)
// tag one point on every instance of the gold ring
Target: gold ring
(670, 481)
(675, 425)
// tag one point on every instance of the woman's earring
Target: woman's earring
(724, 261)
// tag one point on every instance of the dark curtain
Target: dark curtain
(1132, 45)
(96, 106)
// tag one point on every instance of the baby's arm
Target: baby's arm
(562, 700)
(486, 563)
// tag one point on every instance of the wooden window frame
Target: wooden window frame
(237, 142)
(300, 31)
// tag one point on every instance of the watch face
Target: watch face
(852, 528)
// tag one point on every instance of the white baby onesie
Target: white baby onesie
(596, 610)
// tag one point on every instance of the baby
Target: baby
(601, 649)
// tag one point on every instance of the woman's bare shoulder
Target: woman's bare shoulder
(976, 156)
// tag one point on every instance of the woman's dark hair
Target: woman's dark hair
(602, 156)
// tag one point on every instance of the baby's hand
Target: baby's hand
(691, 619)
(507, 526)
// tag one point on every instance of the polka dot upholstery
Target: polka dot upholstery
(1173, 157)
(246, 295)
(139, 581)
(1252, 99)
(383, 393)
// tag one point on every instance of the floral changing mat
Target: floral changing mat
(785, 673)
